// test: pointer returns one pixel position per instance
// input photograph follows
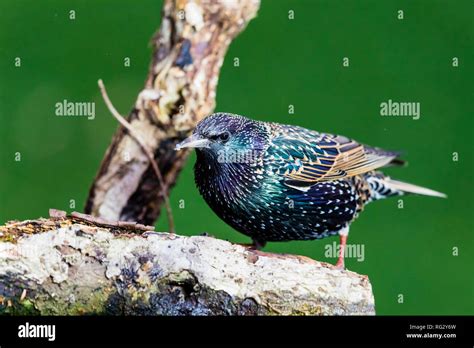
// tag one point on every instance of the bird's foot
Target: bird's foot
(254, 250)
(255, 245)
(249, 246)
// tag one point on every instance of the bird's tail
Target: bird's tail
(410, 188)
(383, 186)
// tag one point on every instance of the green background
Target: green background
(408, 251)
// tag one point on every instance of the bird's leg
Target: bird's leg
(342, 246)
(343, 233)
(255, 245)
(258, 244)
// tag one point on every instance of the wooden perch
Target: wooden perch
(180, 90)
(78, 264)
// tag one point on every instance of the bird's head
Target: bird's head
(227, 137)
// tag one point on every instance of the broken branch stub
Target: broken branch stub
(180, 90)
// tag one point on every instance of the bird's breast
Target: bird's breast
(259, 204)
(227, 186)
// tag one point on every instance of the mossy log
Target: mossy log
(73, 265)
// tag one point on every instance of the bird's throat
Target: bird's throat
(223, 182)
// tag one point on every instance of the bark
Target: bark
(180, 90)
(80, 265)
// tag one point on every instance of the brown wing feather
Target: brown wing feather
(333, 157)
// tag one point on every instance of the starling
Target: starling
(275, 182)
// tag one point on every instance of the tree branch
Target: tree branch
(180, 90)
(147, 152)
(80, 265)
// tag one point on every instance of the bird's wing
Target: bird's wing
(309, 157)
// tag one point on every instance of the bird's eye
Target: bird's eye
(224, 136)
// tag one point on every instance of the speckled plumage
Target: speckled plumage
(277, 182)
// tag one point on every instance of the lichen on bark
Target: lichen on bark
(77, 268)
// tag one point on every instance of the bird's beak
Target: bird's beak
(194, 141)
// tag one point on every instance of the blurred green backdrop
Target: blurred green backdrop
(283, 62)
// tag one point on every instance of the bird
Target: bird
(275, 182)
